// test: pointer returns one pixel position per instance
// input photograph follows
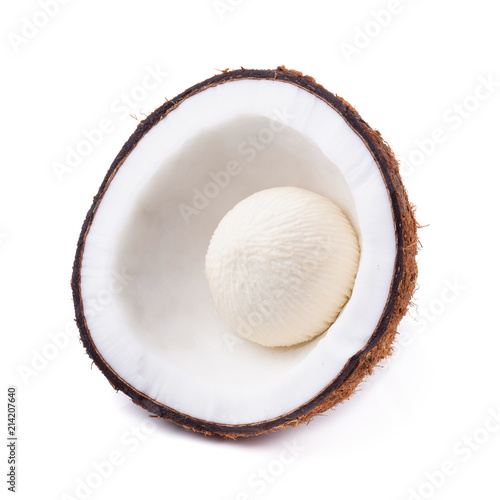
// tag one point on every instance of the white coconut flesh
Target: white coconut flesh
(281, 265)
(146, 298)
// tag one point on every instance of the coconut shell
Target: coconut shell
(402, 287)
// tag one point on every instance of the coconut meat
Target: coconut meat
(160, 330)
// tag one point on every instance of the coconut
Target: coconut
(159, 336)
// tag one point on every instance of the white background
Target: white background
(431, 404)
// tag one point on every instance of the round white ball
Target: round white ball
(281, 265)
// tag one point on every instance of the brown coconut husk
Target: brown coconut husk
(380, 345)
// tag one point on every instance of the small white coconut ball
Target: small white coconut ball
(281, 265)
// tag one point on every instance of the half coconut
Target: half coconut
(143, 304)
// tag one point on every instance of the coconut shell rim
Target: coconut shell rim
(402, 287)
